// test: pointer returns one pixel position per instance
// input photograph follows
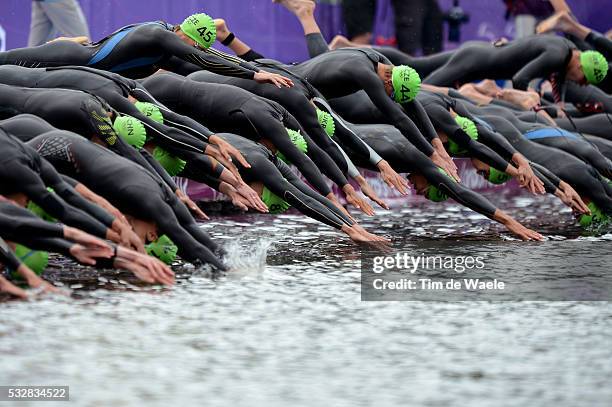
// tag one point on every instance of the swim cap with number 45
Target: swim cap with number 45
(200, 28)
(594, 66)
(406, 83)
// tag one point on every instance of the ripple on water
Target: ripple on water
(288, 327)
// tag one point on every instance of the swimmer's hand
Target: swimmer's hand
(9, 288)
(338, 205)
(127, 236)
(34, 281)
(446, 164)
(392, 178)
(570, 197)
(369, 192)
(515, 227)
(254, 200)
(527, 179)
(88, 255)
(278, 80)
(195, 209)
(360, 236)
(228, 151)
(146, 268)
(353, 198)
(228, 164)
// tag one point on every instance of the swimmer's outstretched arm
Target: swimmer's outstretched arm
(478, 203)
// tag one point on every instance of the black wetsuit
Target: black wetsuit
(599, 125)
(404, 157)
(543, 133)
(135, 51)
(588, 99)
(521, 61)
(130, 188)
(23, 170)
(348, 70)
(185, 139)
(278, 178)
(423, 65)
(298, 104)
(603, 145)
(581, 176)
(226, 108)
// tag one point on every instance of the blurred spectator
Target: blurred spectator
(50, 17)
(418, 26)
(358, 17)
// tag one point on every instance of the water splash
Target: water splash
(247, 260)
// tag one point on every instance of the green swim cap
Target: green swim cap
(406, 83)
(171, 163)
(596, 216)
(594, 66)
(34, 259)
(40, 212)
(163, 248)
(497, 177)
(469, 127)
(275, 203)
(327, 122)
(434, 193)
(298, 140)
(200, 28)
(150, 110)
(131, 130)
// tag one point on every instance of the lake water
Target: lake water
(292, 330)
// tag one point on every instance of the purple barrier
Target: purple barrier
(269, 28)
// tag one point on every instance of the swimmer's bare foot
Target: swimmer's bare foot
(526, 100)
(487, 87)
(340, 41)
(557, 22)
(222, 29)
(80, 40)
(298, 7)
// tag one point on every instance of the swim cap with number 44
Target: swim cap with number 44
(406, 83)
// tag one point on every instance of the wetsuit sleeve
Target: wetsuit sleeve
(417, 113)
(600, 43)
(549, 187)
(163, 174)
(348, 136)
(36, 190)
(7, 257)
(458, 192)
(209, 59)
(545, 172)
(251, 55)
(67, 192)
(540, 67)
(497, 142)
(397, 117)
(186, 124)
(18, 223)
(445, 122)
(69, 180)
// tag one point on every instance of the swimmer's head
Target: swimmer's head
(327, 122)
(594, 66)
(36, 260)
(406, 83)
(469, 128)
(151, 111)
(40, 212)
(172, 164)
(596, 216)
(131, 130)
(298, 140)
(163, 248)
(201, 29)
(275, 203)
(422, 187)
(493, 175)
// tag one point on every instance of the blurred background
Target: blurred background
(417, 26)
